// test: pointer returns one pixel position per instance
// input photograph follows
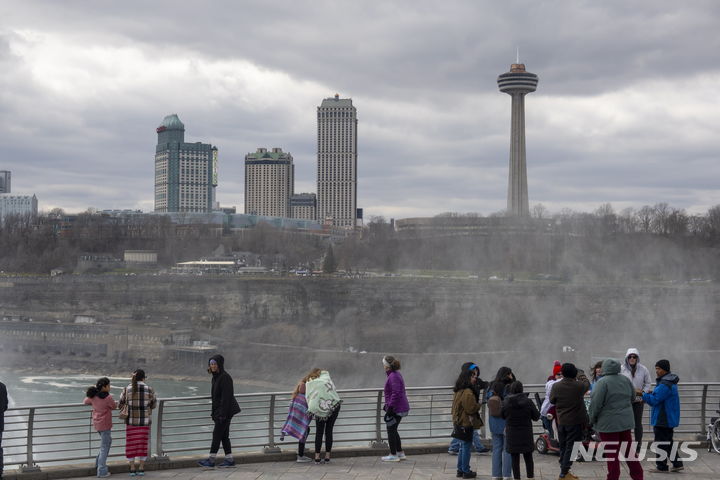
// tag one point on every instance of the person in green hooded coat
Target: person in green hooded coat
(611, 414)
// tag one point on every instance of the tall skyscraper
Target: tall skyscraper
(185, 173)
(337, 161)
(269, 181)
(517, 83)
(5, 182)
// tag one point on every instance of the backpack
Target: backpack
(494, 405)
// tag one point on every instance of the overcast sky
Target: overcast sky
(627, 109)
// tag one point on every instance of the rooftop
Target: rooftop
(172, 122)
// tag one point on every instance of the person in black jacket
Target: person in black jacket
(3, 407)
(224, 406)
(568, 397)
(519, 412)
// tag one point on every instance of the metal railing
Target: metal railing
(52, 434)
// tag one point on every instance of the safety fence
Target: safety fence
(52, 434)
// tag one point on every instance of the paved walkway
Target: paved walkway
(420, 467)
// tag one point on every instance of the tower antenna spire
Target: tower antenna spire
(517, 55)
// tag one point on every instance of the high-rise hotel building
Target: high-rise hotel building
(185, 173)
(269, 182)
(337, 161)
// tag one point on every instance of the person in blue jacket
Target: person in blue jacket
(665, 413)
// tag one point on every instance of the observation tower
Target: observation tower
(517, 83)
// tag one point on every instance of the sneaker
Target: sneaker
(132, 474)
(677, 469)
(326, 460)
(453, 452)
(390, 458)
(141, 473)
(227, 464)
(459, 474)
(207, 463)
(402, 456)
(570, 476)
(470, 474)
(303, 459)
(659, 470)
(107, 474)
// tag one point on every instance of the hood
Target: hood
(632, 350)
(220, 361)
(669, 379)
(610, 367)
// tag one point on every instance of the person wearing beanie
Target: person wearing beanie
(639, 375)
(547, 409)
(224, 407)
(665, 412)
(611, 415)
(567, 396)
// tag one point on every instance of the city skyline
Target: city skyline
(627, 112)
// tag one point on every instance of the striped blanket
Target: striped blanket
(298, 421)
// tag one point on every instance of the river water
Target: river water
(27, 390)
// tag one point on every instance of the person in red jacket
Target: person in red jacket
(102, 406)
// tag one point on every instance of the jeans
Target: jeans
(501, 460)
(665, 434)
(611, 456)
(567, 436)
(548, 425)
(221, 433)
(477, 445)
(101, 459)
(463, 461)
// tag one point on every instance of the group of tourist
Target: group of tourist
(314, 398)
(613, 410)
(617, 393)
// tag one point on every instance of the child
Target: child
(519, 413)
(298, 420)
(102, 406)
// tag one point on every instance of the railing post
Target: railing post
(271, 447)
(30, 465)
(160, 454)
(703, 413)
(378, 442)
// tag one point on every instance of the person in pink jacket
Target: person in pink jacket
(102, 406)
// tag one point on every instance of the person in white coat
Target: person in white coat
(639, 375)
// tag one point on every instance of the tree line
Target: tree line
(657, 242)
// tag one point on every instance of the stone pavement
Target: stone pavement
(420, 467)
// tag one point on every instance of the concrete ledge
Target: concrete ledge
(190, 461)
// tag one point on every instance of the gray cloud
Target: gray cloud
(626, 110)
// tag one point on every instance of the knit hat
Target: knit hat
(556, 367)
(664, 364)
(569, 370)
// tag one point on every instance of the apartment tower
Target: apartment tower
(185, 173)
(269, 182)
(337, 162)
